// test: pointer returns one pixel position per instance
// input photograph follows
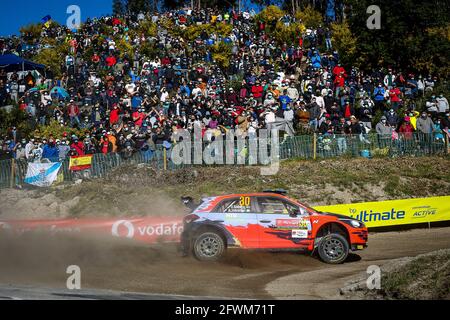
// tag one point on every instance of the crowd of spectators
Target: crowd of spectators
(124, 103)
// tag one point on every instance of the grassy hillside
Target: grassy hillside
(141, 190)
(315, 182)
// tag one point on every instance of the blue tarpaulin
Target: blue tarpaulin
(61, 93)
(11, 62)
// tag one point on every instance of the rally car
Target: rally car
(268, 220)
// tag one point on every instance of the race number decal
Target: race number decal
(304, 224)
(299, 234)
(244, 201)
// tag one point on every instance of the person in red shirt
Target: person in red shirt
(165, 61)
(114, 115)
(257, 91)
(394, 95)
(22, 105)
(78, 146)
(406, 129)
(111, 61)
(339, 69)
(95, 59)
(339, 83)
(73, 110)
(105, 144)
(116, 21)
(138, 117)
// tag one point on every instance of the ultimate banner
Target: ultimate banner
(395, 212)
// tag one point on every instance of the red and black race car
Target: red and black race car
(268, 220)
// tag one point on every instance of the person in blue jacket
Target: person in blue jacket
(378, 97)
(316, 60)
(50, 151)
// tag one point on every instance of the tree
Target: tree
(118, 7)
(173, 4)
(409, 38)
(310, 17)
(137, 6)
(344, 42)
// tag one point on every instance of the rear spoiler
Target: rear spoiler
(189, 202)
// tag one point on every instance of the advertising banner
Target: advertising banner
(153, 230)
(395, 212)
(146, 229)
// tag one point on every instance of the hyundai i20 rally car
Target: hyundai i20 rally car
(268, 220)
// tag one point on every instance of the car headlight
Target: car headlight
(353, 223)
(356, 224)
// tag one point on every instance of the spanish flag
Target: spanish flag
(78, 163)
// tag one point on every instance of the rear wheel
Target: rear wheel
(333, 248)
(209, 246)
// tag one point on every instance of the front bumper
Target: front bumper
(359, 239)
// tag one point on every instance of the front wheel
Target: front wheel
(209, 246)
(333, 248)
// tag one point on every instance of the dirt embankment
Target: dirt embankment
(141, 190)
(426, 276)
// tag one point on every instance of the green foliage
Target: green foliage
(288, 34)
(32, 30)
(221, 53)
(51, 58)
(125, 48)
(192, 32)
(15, 117)
(148, 28)
(236, 83)
(310, 18)
(270, 15)
(344, 41)
(149, 50)
(410, 38)
(167, 24)
(56, 130)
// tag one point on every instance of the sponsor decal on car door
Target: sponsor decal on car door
(282, 224)
(239, 217)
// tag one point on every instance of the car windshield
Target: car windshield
(308, 208)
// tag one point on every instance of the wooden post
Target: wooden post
(446, 143)
(315, 147)
(165, 158)
(13, 172)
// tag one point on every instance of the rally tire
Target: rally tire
(333, 249)
(209, 246)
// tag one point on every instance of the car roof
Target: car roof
(251, 194)
(209, 203)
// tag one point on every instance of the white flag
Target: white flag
(42, 174)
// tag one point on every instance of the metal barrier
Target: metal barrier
(367, 145)
(12, 172)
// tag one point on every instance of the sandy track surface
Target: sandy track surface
(325, 282)
(41, 261)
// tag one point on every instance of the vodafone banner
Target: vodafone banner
(147, 229)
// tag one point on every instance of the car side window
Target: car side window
(272, 205)
(236, 205)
